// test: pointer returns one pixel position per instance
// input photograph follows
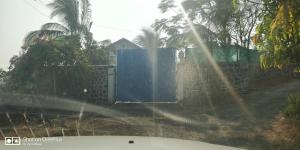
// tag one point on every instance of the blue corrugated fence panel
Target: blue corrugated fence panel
(134, 77)
(166, 87)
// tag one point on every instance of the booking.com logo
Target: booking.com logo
(12, 141)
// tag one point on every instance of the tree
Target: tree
(76, 20)
(37, 70)
(214, 14)
(207, 16)
(98, 52)
(218, 22)
(245, 19)
(278, 36)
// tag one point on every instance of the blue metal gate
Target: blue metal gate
(134, 76)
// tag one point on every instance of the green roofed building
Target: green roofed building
(228, 54)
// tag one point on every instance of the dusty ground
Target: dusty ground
(219, 120)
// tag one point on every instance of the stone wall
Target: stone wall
(203, 79)
(199, 79)
(90, 86)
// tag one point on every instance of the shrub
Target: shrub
(292, 110)
(284, 133)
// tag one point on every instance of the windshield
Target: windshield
(219, 71)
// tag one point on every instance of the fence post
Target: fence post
(111, 84)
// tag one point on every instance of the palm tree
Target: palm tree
(75, 17)
(149, 39)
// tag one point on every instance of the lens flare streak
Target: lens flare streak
(215, 66)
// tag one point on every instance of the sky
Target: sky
(112, 19)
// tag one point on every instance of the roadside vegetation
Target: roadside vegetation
(286, 126)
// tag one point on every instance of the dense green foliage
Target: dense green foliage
(2, 78)
(33, 71)
(58, 67)
(278, 34)
(227, 22)
(2, 73)
(292, 110)
(218, 22)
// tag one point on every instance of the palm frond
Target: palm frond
(149, 39)
(90, 26)
(31, 37)
(51, 34)
(55, 26)
(58, 8)
(139, 40)
(67, 11)
(85, 13)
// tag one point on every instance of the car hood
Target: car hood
(111, 143)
